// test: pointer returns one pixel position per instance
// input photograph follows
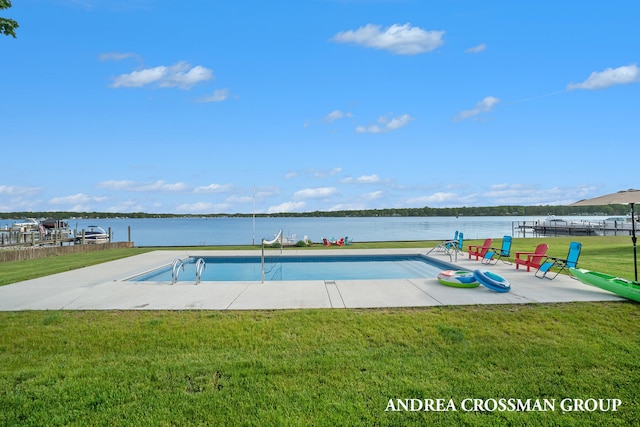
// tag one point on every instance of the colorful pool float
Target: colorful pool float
(491, 280)
(458, 279)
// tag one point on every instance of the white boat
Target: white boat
(555, 222)
(619, 220)
(28, 224)
(95, 234)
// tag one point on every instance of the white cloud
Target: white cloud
(286, 207)
(218, 95)
(386, 125)
(522, 194)
(346, 207)
(477, 49)
(159, 185)
(115, 185)
(315, 193)
(398, 122)
(398, 39)
(212, 188)
(201, 207)
(237, 199)
(336, 115)
(323, 173)
(370, 129)
(609, 77)
(127, 206)
(76, 200)
(163, 187)
(10, 190)
(266, 192)
(374, 195)
(180, 75)
(434, 198)
(483, 106)
(365, 179)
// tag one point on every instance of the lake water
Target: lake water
(246, 231)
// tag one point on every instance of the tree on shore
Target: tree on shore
(7, 26)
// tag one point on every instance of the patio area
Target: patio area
(105, 287)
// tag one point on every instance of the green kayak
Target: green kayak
(625, 288)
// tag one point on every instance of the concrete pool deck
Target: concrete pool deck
(105, 287)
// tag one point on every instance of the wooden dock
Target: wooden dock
(572, 228)
(25, 236)
(30, 237)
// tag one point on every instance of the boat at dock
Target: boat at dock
(629, 289)
(94, 234)
(24, 225)
(552, 226)
(54, 223)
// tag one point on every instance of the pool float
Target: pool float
(491, 280)
(458, 279)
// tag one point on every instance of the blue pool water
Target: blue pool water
(341, 267)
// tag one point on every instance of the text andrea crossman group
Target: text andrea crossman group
(504, 405)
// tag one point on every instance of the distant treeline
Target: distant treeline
(609, 210)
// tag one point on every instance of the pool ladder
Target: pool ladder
(178, 264)
(175, 269)
(200, 267)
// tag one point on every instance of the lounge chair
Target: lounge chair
(347, 241)
(450, 243)
(445, 245)
(532, 259)
(450, 247)
(479, 251)
(455, 247)
(571, 261)
(503, 254)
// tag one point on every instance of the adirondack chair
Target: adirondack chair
(531, 259)
(480, 251)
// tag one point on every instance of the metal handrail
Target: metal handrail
(175, 269)
(200, 266)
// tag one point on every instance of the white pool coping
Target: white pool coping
(105, 287)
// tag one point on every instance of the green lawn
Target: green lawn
(325, 367)
(317, 367)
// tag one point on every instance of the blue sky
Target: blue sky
(235, 106)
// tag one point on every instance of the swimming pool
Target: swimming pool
(325, 267)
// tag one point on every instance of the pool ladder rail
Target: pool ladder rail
(175, 269)
(178, 264)
(200, 267)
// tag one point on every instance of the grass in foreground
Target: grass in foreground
(317, 367)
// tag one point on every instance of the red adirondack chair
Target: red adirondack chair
(479, 251)
(532, 259)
